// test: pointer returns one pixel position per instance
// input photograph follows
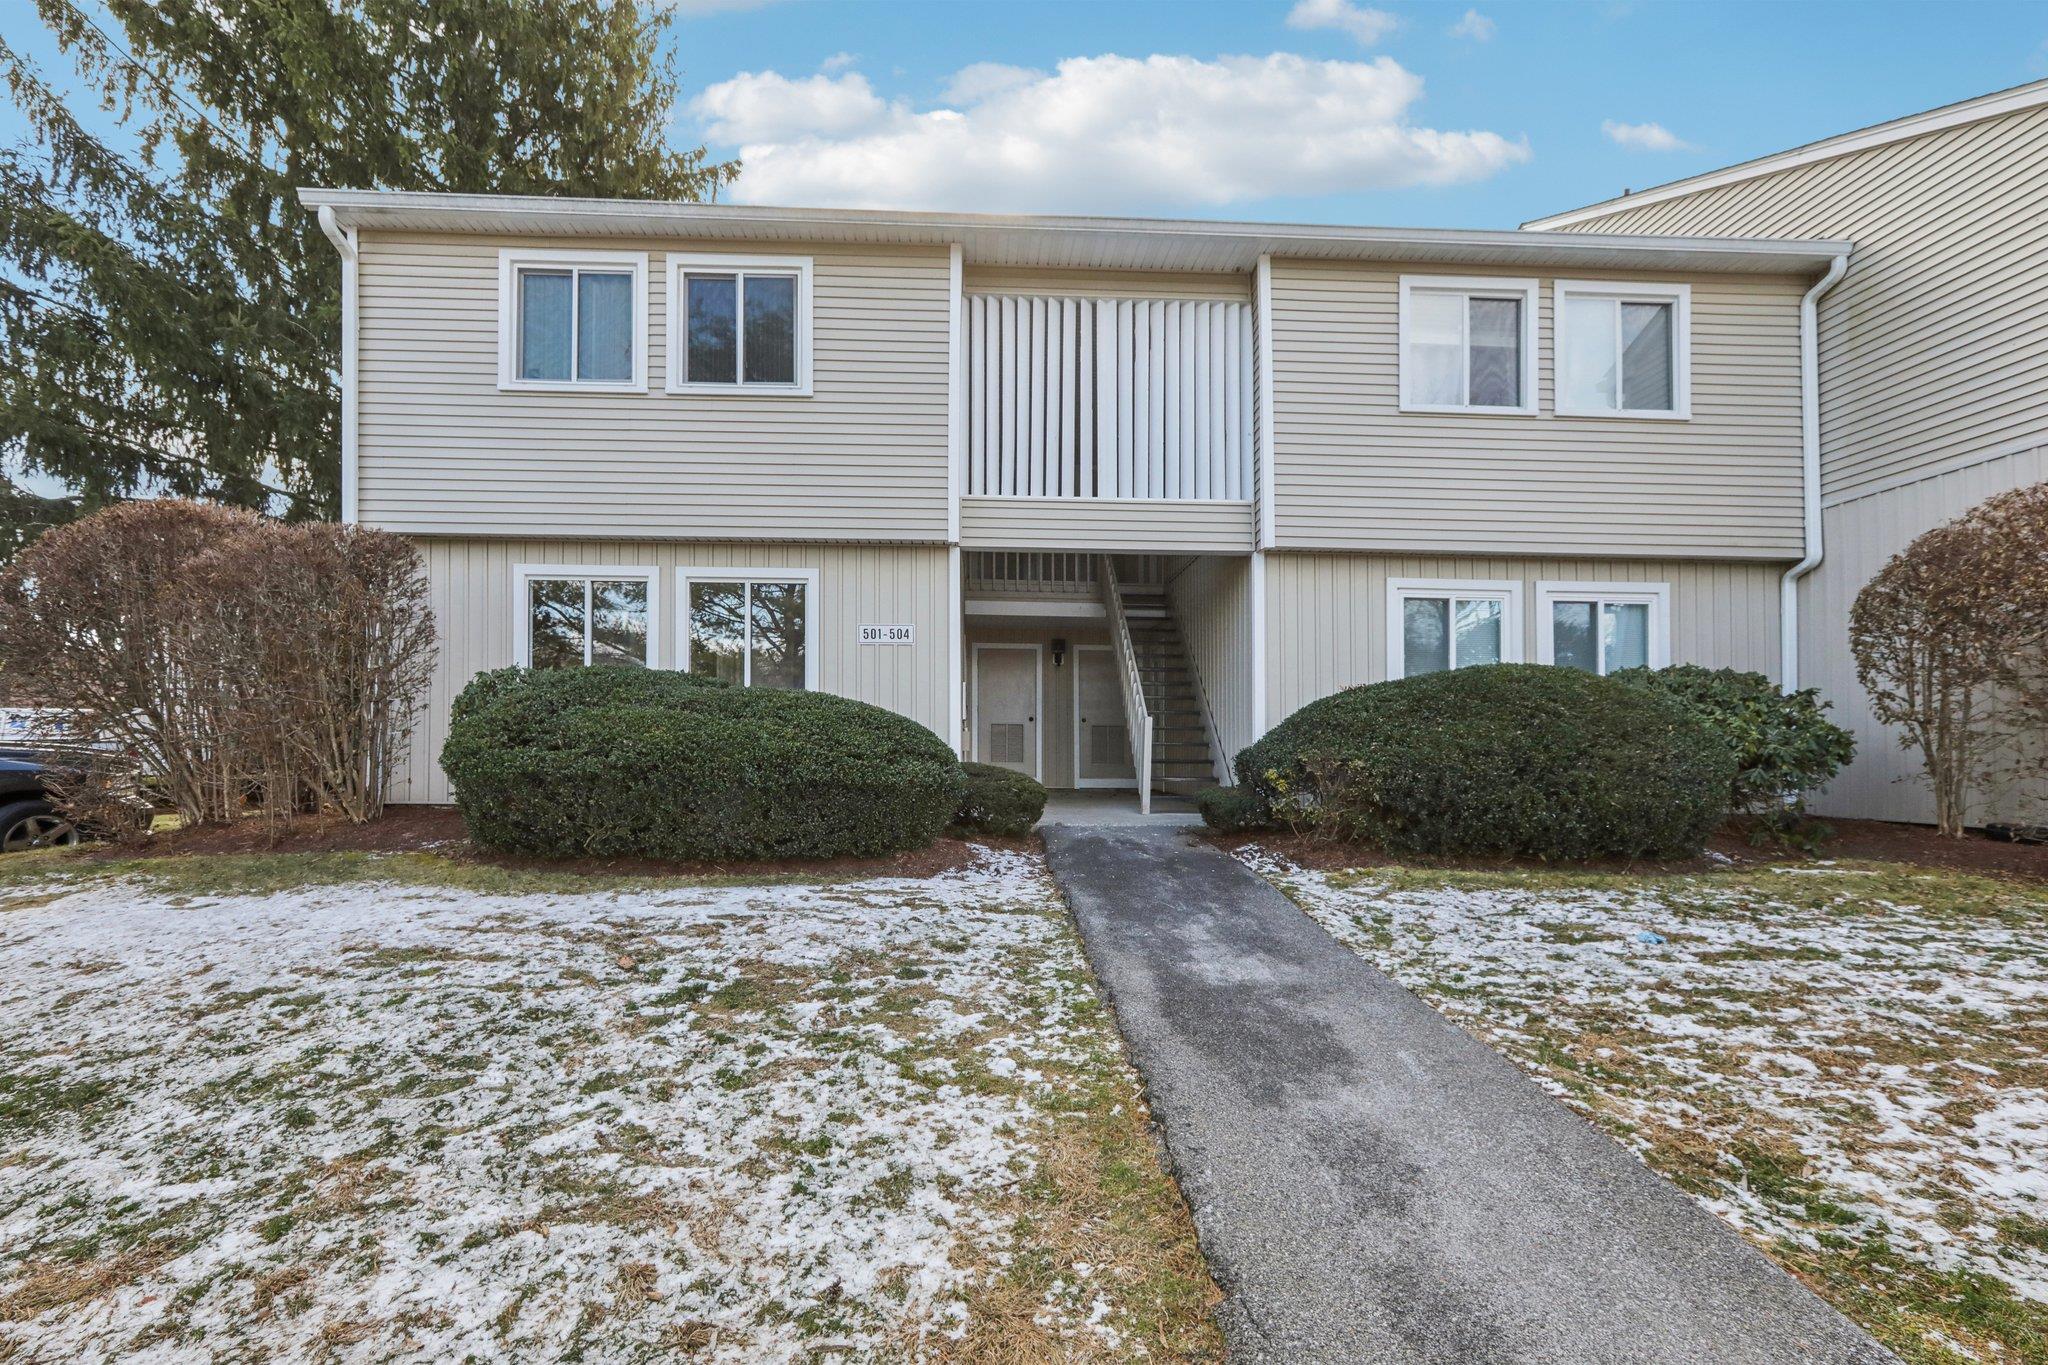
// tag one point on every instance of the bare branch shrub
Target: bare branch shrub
(246, 664)
(1951, 643)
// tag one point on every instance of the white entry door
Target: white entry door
(1102, 737)
(1006, 707)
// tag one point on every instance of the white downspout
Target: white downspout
(345, 243)
(1809, 450)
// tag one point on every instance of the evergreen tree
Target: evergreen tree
(169, 315)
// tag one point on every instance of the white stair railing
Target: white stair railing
(1134, 684)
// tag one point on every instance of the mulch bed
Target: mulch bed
(1872, 840)
(439, 829)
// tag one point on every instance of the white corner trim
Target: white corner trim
(680, 263)
(736, 573)
(1257, 587)
(345, 243)
(1262, 447)
(511, 260)
(1678, 295)
(1863, 139)
(522, 620)
(1506, 591)
(956, 629)
(1656, 595)
(1485, 286)
(956, 397)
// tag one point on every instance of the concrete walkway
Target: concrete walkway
(1369, 1182)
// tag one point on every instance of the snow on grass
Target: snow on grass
(378, 1121)
(1848, 1064)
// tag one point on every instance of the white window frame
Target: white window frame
(513, 260)
(682, 264)
(1679, 296)
(1469, 286)
(1657, 596)
(1506, 591)
(522, 607)
(713, 573)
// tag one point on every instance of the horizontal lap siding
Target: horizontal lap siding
(1326, 617)
(442, 450)
(1133, 526)
(473, 601)
(1934, 346)
(1354, 472)
(1862, 534)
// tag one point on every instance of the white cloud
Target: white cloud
(1368, 26)
(1475, 26)
(1100, 133)
(838, 61)
(1644, 137)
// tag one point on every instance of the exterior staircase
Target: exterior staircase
(1182, 762)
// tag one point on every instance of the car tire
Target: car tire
(34, 824)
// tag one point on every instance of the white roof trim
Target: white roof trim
(1862, 139)
(1049, 240)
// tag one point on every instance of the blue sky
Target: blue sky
(1471, 113)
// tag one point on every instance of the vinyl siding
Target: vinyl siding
(1121, 284)
(1125, 525)
(1934, 345)
(1212, 603)
(1861, 534)
(1353, 472)
(443, 451)
(471, 583)
(1326, 617)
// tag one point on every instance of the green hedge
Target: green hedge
(1508, 759)
(639, 762)
(998, 801)
(1783, 744)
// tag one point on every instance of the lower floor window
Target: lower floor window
(752, 632)
(1438, 626)
(1605, 629)
(574, 621)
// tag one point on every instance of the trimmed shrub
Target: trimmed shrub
(998, 801)
(1507, 759)
(1231, 810)
(618, 762)
(1783, 743)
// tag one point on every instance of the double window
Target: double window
(572, 320)
(1468, 345)
(1623, 350)
(1435, 624)
(575, 617)
(1604, 627)
(742, 324)
(753, 629)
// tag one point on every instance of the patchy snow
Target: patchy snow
(1846, 1053)
(407, 1123)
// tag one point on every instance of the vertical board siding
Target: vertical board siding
(1326, 617)
(443, 451)
(1934, 345)
(1354, 472)
(1089, 397)
(1211, 597)
(470, 584)
(1861, 535)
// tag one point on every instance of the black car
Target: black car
(27, 819)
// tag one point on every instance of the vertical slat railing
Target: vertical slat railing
(1134, 683)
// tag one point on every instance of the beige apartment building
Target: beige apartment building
(1103, 499)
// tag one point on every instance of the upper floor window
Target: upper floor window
(1623, 350)
(572, 320)
(740, 324)
(1604, 627)
(572, 616)
(751, 627)
(1437, 624)
(1468, 345)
